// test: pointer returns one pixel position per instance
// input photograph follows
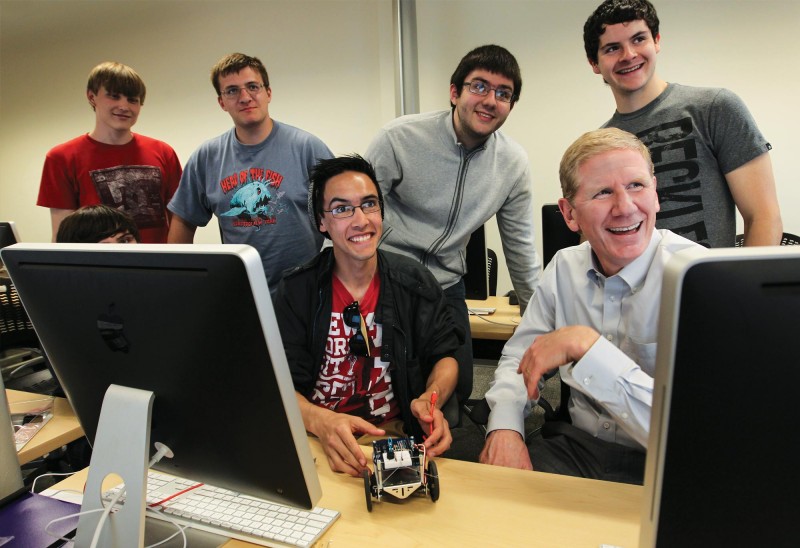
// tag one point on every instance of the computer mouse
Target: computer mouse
(512, 297)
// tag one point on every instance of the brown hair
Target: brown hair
(236, 62)
(117, 78)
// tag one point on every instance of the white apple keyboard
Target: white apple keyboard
(232, 514)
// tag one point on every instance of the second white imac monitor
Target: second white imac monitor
(722, 463)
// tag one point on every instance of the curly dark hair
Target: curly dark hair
(612, 12)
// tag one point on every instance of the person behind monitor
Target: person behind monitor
(367, 333)
(595, 318)
(710, 156)
(97, 224)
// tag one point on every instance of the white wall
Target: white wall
(330, 65)
(748, 46)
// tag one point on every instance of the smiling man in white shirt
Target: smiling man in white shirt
(595, 318)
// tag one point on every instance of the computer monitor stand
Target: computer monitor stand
(121, 447)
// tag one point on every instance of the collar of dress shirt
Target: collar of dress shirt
(634, 273)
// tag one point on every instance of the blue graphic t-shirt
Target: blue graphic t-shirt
(259, 194)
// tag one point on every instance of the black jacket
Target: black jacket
(417, 328)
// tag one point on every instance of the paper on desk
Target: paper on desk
(28, 417)
(67, 496)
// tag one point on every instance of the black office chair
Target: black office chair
(22, 361)
(555, 408)
(555, 232)
(491, 270)
(786, 239)
(555, 235)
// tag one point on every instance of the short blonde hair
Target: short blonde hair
(591, 144)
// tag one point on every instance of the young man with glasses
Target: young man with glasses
(710, 156)
(367, 333)
(111, 165)
(444, 174)
(254, 177)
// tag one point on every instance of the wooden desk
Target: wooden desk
(498, 326)
(60, 430)
(480, 505)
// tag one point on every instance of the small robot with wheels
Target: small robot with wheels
(400, 470)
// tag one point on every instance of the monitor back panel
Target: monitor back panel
(186, 326)
(723, 465)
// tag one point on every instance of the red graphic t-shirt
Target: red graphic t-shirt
(350, 384)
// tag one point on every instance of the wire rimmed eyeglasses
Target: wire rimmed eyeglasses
(345, 211)
(479, 87)
(252, 88)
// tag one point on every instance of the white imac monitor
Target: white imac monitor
(722, 462)
(193, 324)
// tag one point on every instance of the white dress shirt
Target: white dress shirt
(612, 384)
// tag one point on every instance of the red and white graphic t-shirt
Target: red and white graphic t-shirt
(355, 385)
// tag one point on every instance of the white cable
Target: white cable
(64, 518)
(102, 520)
(161, 451)
(33, 485)
(181, 530)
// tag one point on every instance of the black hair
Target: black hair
(612, 12)
(325, 170)
(90, 224)
(496, 59)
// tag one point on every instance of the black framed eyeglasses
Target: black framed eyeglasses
(345, 211)
(360, 345)
(479, 87)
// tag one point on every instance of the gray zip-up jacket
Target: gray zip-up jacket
(437, 193)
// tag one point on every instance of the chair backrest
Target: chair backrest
(555, 232)
(15, 326)
(790, 239)
(491, 270)
(8, 234)
(476, 280)
(787, 239)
